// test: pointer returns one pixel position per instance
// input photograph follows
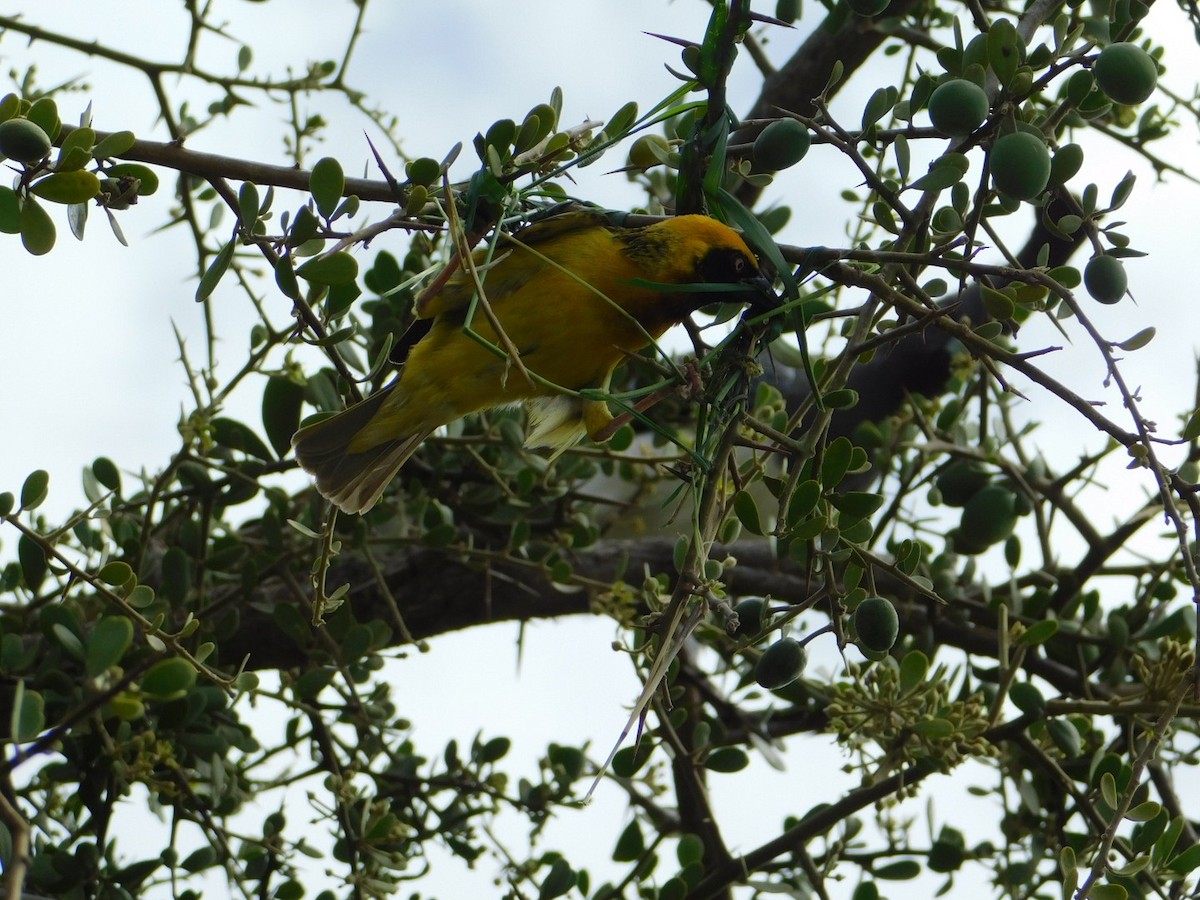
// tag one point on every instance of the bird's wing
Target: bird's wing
(511, 266)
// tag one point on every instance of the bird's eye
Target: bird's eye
(739, 265)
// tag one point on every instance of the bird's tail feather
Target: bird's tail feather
(352, 481)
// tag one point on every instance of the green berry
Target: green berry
(23, 141)
(988, 518)
(752, 616)
(647, 151)
(780, 664)
(1020, 165)
(957, 107)
(876, 624)
(1105, 279)
(962, 480)
(869, 7)
(780, 145)
(1126, 73)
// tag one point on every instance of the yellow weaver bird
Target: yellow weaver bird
(574, 295)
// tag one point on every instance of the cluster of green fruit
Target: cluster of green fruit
(873, 622)
(989, 509)
(1019, 161)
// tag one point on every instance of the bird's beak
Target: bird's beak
(762, 296)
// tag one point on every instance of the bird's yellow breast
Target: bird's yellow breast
(570, 328)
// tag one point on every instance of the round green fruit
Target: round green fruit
(876, 623)
(957, 107)
(787, 10)
(1027, 698)
(23, 141)
(1126, 73)
(780, 145)
(752, 616)
(988, 518)
(643, 153)
(1105, 279)
(780, 664)
(869, 7)
(962, 480)
(1020, 165)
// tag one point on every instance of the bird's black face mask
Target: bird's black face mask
(727, 265)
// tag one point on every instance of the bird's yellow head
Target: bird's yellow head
(688, 250)
(698, 250)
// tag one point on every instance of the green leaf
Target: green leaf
(32, 557)
(494, 750)
(998, 304)
(628, 760)
(1005, 49)
(34, 489)
(281, 404)
(237, 436)
(1144, 812)
(37, 228)
(746, 511)
(878, 106)
(107, 644)
(1165, 845)
(1108, 789)
(690, 850)
(116, 144)
(338, 267)
(1065, 736)
(940, 176)
(147, 177)
(44, 113)
(107, 473)
(559, 881)
(804, 501)
(176, 575)
(1108, 891)
(1067, 276)
(843, 398)
(939, 729)
(168, 679)
(901, 870)
(141, 596)
(1038, 633)
(67, 187)
(327, 183)
(1186, 861)
(28, 714)
(501, 135)
(1122, 191)
(116, 573)
(1027, 698)
(304, 227)
(216, 270)
(727, 759)
(285, 277)
(10, 211)
(248, 204)
(836, 462)
(1138, 341)
(630, 844)
(854, 506)
(312, 682)
(1070, 872)
(423, 171)
(913, 668)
